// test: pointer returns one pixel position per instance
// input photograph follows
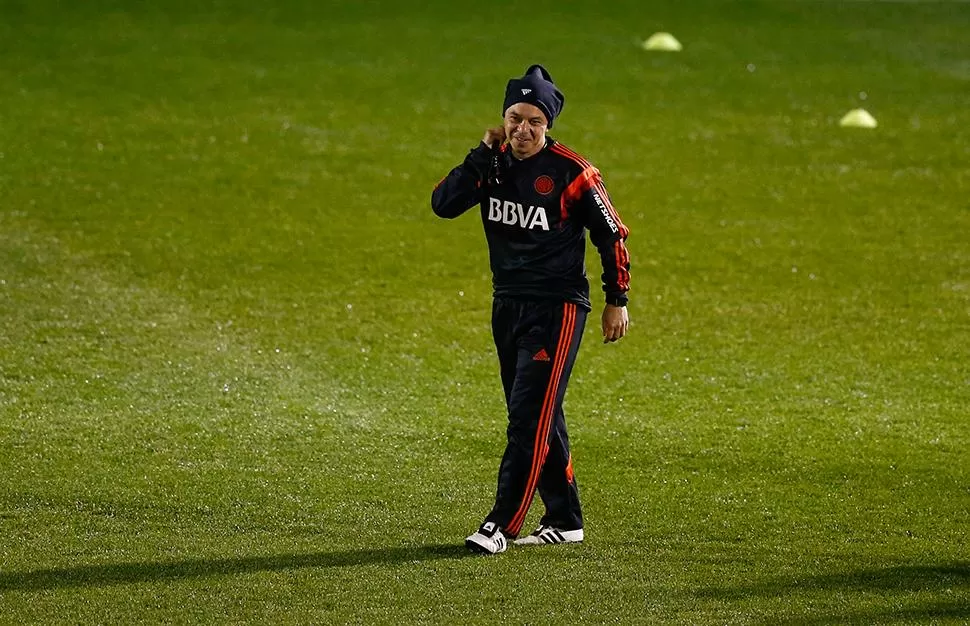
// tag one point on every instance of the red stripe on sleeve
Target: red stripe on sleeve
(622, 260)
(571, 154)
(580, 185)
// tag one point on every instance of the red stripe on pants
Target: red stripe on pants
(541, 446)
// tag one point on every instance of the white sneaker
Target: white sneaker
(548, 534)
(489, 539)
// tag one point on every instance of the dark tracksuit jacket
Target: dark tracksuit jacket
(536, 213)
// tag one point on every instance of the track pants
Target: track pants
(537, 343)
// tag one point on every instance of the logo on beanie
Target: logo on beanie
(544, 185)
(526, 92)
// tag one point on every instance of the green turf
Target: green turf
(246, 375)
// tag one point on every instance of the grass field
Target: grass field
(246, 374)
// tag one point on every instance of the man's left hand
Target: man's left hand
(615, 323)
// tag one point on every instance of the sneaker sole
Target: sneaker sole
(479, 549)
(474, 547)
(537, 540)
(540, 542)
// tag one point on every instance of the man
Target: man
(537, 200)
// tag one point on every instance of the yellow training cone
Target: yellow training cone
(858, 118)
(662, 41)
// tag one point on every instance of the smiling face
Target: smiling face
(525, 127)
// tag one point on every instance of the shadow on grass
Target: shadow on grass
(124, 573)
(949, 586)
(921, 614)
(901, 578)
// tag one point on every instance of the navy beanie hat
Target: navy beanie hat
(536, 88)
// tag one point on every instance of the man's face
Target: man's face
(525, 128)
